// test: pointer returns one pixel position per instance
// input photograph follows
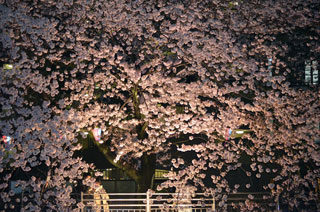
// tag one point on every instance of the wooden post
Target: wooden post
(148, 209)
(81, 196)
(213, 203)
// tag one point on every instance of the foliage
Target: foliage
(160, 76)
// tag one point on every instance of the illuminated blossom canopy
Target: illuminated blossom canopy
(212, 79)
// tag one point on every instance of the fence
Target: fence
(170, 202)
(167, 202)
(147, 202)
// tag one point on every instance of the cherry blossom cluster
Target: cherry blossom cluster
(156, 77)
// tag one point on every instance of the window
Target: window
(318, 139)
(269, 66)
(311, 73)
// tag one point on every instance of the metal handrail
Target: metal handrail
(149, 202)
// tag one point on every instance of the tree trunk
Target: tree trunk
(146, 173)
(143, 177)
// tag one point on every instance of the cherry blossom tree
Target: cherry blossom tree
(157, 77)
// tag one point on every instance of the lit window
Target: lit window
(311, 73)
(318, 139)
(269, 66)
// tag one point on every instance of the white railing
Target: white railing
(147, 202)
(171, 202)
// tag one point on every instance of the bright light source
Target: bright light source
(117, 158)
(228, 133)
(6, 139)
(7, 66)
(97, 134)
